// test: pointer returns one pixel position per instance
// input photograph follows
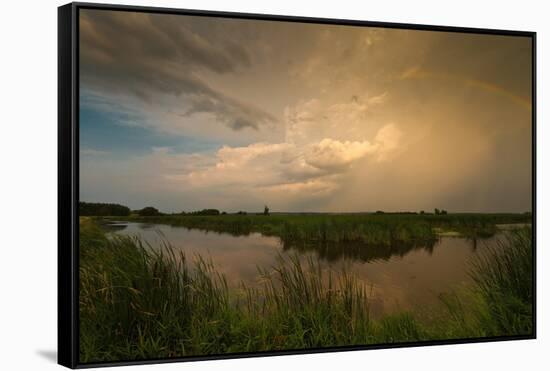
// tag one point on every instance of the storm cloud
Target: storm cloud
(148, 56)
(236, 114)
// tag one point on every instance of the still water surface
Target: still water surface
(399, 278)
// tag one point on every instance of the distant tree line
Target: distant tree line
(421, 212)
(395, 212)
(205, 212)
(107, 209)
(148, 211)
(151, 211)
(202, 212)
(217, 212)
(102, 209)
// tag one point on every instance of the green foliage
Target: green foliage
(500, 302)
(503, 276)
(380, 229)
(401, 327)
(206, 212)
(102, 209)
(385, 230)
(137, 302)
(148, 211)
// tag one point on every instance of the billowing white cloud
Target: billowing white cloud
(330, 154)
(323, 142)
(270, 169)
(255, 165)
(235, 157)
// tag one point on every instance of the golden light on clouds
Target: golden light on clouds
(235, 114)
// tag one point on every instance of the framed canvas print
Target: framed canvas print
(236, 185)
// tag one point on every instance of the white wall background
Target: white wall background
(28, 181)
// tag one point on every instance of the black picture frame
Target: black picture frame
(68, 177)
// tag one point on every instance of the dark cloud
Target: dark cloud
(145, 56)
(461, 101)
(233, 113)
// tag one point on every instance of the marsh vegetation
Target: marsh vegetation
(372, 228)
(140, 301)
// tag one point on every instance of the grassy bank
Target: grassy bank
(136, 303)
(370, 229)
(500, 300)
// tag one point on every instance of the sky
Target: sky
(187, 112)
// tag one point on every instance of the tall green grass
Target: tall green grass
(500, 300)
(367, 229)
(137, 302)
(504, 278)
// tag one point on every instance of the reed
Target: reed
(500, 300)
(368, 229)
(503, 276)
(137, 302)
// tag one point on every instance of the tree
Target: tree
(266, 210)
(148, 211)
(436, 211)
(102, 209)
(206, 212)
(443, 212)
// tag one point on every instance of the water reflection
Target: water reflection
(333, 251)
(401, 276)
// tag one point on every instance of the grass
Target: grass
(366, 229)
(138, 303)
(501, 298)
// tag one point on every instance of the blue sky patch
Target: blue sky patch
(110, 132)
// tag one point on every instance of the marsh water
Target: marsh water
(407, 277)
